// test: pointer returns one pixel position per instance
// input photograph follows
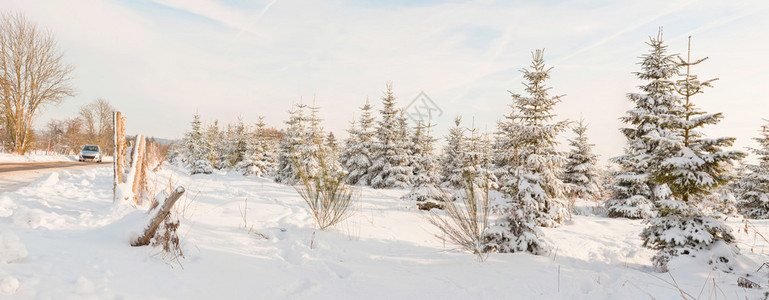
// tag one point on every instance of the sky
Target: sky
(161, 61)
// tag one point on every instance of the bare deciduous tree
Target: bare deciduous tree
(32, 74)
(97, 118)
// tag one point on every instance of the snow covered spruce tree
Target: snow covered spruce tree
(238, 142)
(256, 157)
(300, 143)
(753, 189)
(633, 189)
(331, 142)
(216, 144)
(390, 165)
(534, 193)
(294, 141)
(356, 158)
(424, 164)
(452, 162)
(478, 160)
(691, 166)
(581, 173)
(487, 168)
(196, 149)
(317, 137)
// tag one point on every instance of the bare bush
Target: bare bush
(465, 223)
(167, 239)
(329, 198)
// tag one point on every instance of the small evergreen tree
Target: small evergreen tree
(215, 144)
(478, 161)
(291, 146)
(390, 165)
(753, 189)
(425, 166)
(256, 159)
(356, 158)
(331, 142)
(487, 167)
(581, 172)
(237, 142)
(453, 161)
(198, 157)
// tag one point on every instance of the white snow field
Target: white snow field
(63, 238)
(35, 156)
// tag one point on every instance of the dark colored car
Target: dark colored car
(90, 152)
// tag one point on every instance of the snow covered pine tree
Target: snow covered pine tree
(256, 157)
(196, 149)
(357, 157)
(754, 187)
(425, 166)
(534, 193)
(581, 173)
(390, 165)
(453, 160)
(691, 166)
(295, 139)
(633, 189)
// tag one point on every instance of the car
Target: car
(90, 152)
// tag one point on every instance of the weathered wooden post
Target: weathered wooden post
(118, 156)
(138, 155)
(161, 215)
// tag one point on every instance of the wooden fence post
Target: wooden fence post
(118, 156)
(139, 167)
(164, 211)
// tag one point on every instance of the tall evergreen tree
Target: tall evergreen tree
(537, 164)
(753, 189)
(633, 188)
(534, 193)
(356, 158)
(425, 166)
(453, 160)
(692, 167)
(390, 165)
(581, 173)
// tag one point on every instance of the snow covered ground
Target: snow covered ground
(63, 238)
(35, 157)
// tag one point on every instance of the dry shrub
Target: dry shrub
(329, 198)
(465, 223)
(166, 238)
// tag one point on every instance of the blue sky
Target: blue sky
(160, 61)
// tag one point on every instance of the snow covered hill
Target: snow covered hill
(249, 238)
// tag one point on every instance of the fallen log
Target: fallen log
(161, 215)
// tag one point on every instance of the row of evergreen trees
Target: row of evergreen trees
(668, 164)
(251, 150)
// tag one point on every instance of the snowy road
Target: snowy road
(14, 175)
